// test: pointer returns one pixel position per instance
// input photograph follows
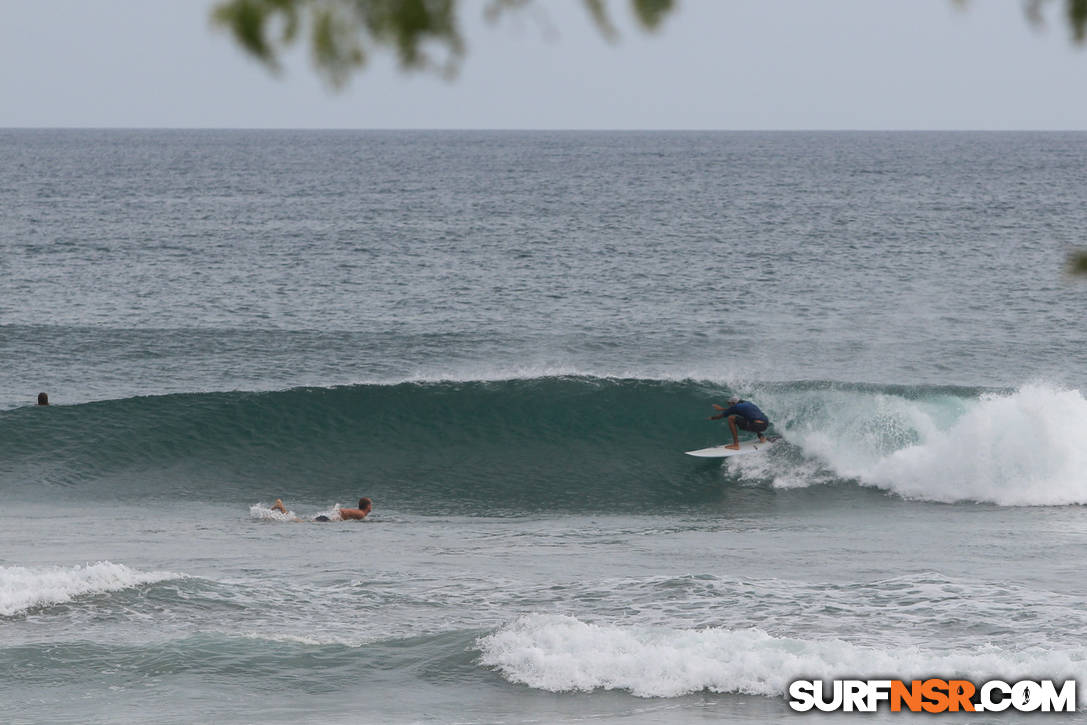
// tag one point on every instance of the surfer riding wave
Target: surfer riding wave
(742, 415)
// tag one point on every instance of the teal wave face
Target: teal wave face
(567, 443)
(525, 444)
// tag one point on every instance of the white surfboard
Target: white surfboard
(722, 452)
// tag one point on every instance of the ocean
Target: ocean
(507, 340)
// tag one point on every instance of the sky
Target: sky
(715, 64)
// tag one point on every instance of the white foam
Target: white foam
(561, 654)
(263, 512)
(1029, 448)
(1026, 448)
(22, 588)
(312, 641)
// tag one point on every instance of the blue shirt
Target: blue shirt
(747, 410)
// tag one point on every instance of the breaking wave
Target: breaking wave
(566, 443)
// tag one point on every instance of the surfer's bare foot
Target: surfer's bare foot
(733, 446)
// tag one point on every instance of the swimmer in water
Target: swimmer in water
(365, 507)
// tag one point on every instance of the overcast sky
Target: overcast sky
(715, 64)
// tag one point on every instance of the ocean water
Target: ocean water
(507, 340)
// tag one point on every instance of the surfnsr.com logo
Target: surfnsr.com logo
(932, 695)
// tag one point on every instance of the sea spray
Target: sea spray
(1020, 448)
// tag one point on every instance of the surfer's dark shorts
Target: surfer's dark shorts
(755, 426)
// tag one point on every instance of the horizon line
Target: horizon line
(541, 130)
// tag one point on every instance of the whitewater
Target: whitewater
(923, 444)
(507, 341)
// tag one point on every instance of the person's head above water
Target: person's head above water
(43, 399)
(365, 506)
(734, 400)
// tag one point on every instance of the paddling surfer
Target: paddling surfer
(742, 415)
(365, 507)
